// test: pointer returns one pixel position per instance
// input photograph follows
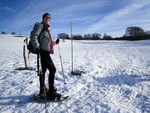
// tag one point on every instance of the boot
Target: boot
(53, 95)
(43, 91)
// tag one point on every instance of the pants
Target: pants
(47, 63)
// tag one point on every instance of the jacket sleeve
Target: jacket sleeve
(35, 33)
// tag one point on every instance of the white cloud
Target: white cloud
(6, 8)
(72, 8)
(118, 21)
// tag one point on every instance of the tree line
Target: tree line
(131, 33)
(13, 33)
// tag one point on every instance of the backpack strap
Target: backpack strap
(45, 28)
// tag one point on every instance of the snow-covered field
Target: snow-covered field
(116, 78)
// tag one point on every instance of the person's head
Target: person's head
(46, 18)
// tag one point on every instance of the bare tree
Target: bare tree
(107, 37)
(134, 31)
(96, 36)
(63, 36)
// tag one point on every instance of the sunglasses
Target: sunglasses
(48, 17)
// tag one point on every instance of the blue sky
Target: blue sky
(89, 16)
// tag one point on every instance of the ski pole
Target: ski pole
(61, 64)
(38, 68)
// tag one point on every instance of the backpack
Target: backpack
(30, 47)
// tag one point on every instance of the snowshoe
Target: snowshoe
(48, 99)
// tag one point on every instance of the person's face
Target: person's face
(47, 20)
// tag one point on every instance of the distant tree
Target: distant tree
(63, 36)
(107, 37)
(13, 33)
(77, 37)
(96, 36)
(3, 32)
(134, 31)
(87, 36)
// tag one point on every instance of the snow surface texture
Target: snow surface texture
(116, 78)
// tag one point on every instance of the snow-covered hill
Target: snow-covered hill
(116, 78)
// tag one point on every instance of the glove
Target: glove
(57, 41)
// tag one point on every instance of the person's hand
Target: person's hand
(57, 41)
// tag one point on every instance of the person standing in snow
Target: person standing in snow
(41, 39)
